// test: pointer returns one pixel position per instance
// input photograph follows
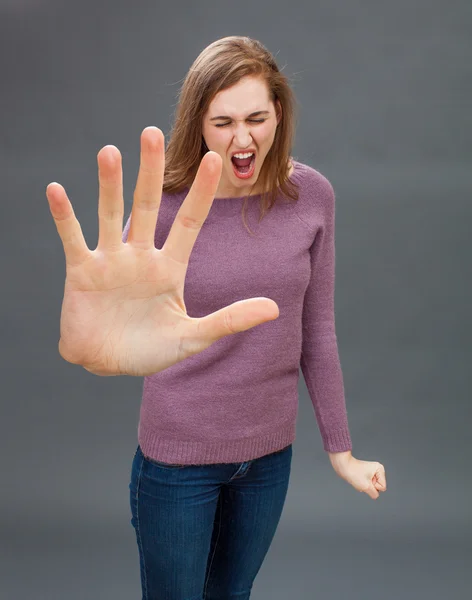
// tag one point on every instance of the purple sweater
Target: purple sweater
(238, 399)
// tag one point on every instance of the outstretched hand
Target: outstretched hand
(123, 311)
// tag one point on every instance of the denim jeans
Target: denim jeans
(203, 531)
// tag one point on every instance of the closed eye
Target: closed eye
(250, 120)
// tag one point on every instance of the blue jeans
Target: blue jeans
(203, 531)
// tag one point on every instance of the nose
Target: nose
(242, 137)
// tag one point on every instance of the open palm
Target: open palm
(123, 311)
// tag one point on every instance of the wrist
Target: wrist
(338, 459)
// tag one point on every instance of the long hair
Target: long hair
(219, 66)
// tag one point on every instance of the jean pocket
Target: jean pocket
(163, 465)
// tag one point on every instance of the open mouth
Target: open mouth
(244, 168)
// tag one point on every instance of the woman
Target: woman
(211, 470)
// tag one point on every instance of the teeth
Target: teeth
(245, 155)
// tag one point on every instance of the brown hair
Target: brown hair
(219, 66)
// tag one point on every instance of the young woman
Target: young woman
(218, 414)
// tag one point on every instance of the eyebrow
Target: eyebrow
(254, 114)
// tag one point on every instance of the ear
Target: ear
(278, 110)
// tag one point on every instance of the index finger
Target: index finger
(194, 209)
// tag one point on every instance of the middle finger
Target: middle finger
(148, 190)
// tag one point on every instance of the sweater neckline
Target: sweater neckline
(229, 206)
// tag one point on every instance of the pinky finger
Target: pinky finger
(68, 227)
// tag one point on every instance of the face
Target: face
(238, 130)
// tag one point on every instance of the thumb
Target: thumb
(372, 492)
(236, 317)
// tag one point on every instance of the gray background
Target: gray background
(385, 96)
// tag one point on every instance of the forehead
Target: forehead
(246, 96)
